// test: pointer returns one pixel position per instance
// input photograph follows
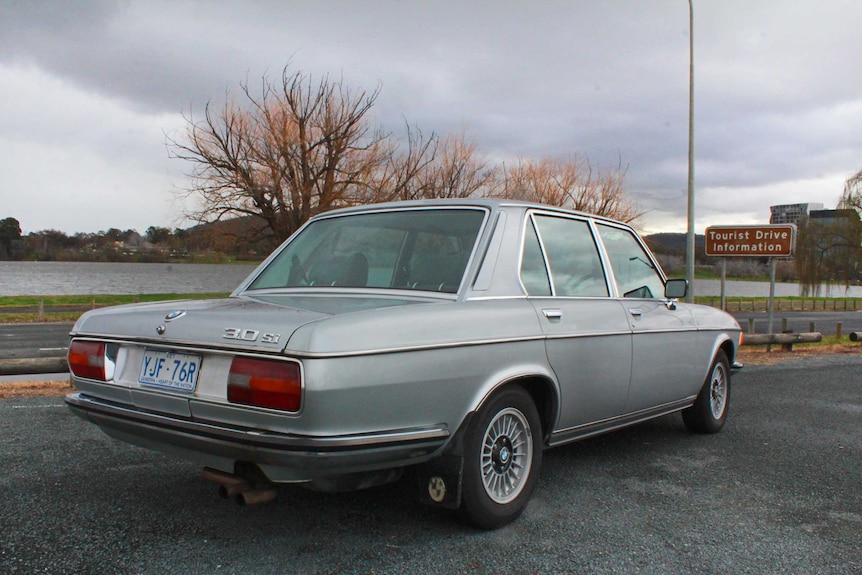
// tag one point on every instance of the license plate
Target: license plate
(170, 369)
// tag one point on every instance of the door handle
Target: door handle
(553, 313)
(636, 313)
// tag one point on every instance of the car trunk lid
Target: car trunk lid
(260, 323)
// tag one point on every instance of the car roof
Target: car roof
(493, 204)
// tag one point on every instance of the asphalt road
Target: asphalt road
(27, 340)
(826, 322)
(778, 491)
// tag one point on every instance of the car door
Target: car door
(588, 338)
(667, 361)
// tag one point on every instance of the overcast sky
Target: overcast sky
(90, 89)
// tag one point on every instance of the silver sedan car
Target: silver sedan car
(452, 340)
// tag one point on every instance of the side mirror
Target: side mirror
(676, 289)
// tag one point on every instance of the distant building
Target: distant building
(792, 213)
(832, 217)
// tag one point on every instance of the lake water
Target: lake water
(761, 289)
(92, 278)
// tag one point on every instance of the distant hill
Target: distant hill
(673, 242)
(246, 236)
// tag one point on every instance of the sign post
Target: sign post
(772, 241)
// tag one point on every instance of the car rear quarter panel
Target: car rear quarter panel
(370, 393)
(414, 366)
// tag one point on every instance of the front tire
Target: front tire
(709, 411)
(502, 459)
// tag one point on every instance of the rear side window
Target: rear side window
(534, 272)
(635, 274)
(571, 256)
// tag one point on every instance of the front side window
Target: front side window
(411, 249)
(635, 274)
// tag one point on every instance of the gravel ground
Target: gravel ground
(776, 492)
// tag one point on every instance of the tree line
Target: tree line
(210, 244)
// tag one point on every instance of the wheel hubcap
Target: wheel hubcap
(507, 454)
(501, 454)
(718, 391)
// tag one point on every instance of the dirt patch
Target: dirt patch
(34, 388)
(759, 356)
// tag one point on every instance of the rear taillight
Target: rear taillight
(264, 383)
(90, 359)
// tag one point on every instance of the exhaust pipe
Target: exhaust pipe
(231, 491)
(238, 488)
(255, 496)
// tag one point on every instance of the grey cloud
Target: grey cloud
(777, 93)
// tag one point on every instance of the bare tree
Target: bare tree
(851, 198)
(432, 168)
(298, 149)
(458, 171)
(570, 183)
(401, 175)
(829, 251)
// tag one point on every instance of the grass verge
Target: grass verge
(68, 308)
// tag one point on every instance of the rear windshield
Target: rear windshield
(423, 249)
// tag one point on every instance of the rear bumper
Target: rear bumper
(282, 457)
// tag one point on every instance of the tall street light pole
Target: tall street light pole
(689, 239)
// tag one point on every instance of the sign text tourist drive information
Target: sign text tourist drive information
(777, 240)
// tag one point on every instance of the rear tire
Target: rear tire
(709, 411)
(503, 454)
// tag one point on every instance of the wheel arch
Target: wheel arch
(542, 389)
(545, 396)
(722, 343)
(729, 350)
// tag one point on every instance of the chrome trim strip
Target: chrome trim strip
(297, 354)
(287, 353)
(408, 349)
(183, 345)
(570, 434)
(588, 334)
(249, 437)
(413, 295)
(639, 331)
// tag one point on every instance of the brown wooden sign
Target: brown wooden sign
(775, 240)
